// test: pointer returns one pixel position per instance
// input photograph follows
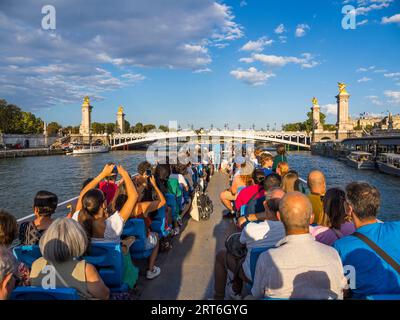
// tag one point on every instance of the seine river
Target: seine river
(63, 175)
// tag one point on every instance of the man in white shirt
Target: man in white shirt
(265, 234)
(300, 268)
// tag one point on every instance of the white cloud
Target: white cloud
(371, 5)
(362, 22)
(393, 19)
(330, 109)
(119, 36)
(392, 75)
(364, 79)
(374, 100)
(394, 96)
(257, 45)
(252, 76)
(362, 69)
(282, 39)
(243, 3)
(204, 70)
(301, 30)
(305, 61)
(280, 29)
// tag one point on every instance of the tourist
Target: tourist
(64, 242)
(161, 174)
(280, 156)
(251, 195)
(92, 209)
(338, 226)
(282, 169)
(300, 267)
(288, 183)
(270, 207)
(240, 181)
(8, 267)
(109, 186)
(373, 273)
(317, 185)
(265, 234)
(266, 161)
(8, 233)
(144, 171)
(44, 205)
(274, 180)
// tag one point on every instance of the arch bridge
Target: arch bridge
(299, 139)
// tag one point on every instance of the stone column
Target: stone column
(84, 129)
(317, 126)
(121, 119)
(343, 125)
(46, 135)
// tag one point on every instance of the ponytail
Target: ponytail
(91, 205)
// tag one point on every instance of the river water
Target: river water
(63, 175)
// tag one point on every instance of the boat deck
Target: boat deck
(187, 270)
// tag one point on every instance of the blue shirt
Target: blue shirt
(267, 171)
(373, 274)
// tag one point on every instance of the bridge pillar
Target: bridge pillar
(84, 129)
(343, 122)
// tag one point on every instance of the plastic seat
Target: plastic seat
(254, 255)
(27, 254)
(38, 293)
(136, 227)
(383, 297)
(243, 210)
(159, 222)
(108, 260)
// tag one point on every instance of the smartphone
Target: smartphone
(148, 172)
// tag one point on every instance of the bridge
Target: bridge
(123, 141)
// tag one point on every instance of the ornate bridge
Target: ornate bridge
(300, 139)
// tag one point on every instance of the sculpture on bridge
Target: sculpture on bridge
(314, 101)
(342, 88)
(86, 101)
(120, 109)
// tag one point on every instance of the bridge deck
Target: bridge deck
(187, 270)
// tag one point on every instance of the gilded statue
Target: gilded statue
(342, 87)
(120, 109)
(314, 101)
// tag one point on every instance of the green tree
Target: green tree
(29, 124)
(52, 128)
(10, 117)
(110, 127)
(127, 126)
(163, 128)
(98, 128)
(137, 128)
(149, 127)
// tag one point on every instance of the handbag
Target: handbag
(235, 247)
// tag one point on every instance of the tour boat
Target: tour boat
(361, 160)
(89, 149)
(389, 163)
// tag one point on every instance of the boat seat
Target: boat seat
(254, 255)
(136, 227)
(383, 297)
(38, 293)
(159, 221)
(27, 254)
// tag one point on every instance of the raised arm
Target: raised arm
(131, 192)
(107, 171)
(146, 207)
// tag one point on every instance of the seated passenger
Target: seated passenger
(280, 156)
(8, 233)
(300, 267)
(253, 192)
(373, 274)
(240, 181)
(265, 234)
(109, 186)
(266, 162)
(44, 205)
(8, 267)
(288, 183)
(282, 169)
(338, 227)
(92, 208)
(317, 185)
(64, 242)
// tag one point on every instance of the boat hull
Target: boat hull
(360, 165)
(385, 168)
(102, 149)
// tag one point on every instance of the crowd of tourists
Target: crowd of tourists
(312, 242)
(105, 204)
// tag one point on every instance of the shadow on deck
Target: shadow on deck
(187, 270)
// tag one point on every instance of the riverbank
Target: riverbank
(34, 152)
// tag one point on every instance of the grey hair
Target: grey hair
(8, 263)
(64, 240)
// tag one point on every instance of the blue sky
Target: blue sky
(199, 62)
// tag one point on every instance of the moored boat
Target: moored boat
(389, 163)
(89, 149)
(361, 160)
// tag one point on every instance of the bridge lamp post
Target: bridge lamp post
(268, 127)
(274, 126)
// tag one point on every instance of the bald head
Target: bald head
(295, 212)
(316, 182)
(275, 193)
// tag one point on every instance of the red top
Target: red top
(109, 189)
(247, 193)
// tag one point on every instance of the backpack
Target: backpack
(204, 205)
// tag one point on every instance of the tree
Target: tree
(98, 128)
(10, 117)
(137, 128)
(29, 124)
(308, 124)
(110, 127)
(163, 128)
(52, 128)
(149, 127)
(127, 126)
